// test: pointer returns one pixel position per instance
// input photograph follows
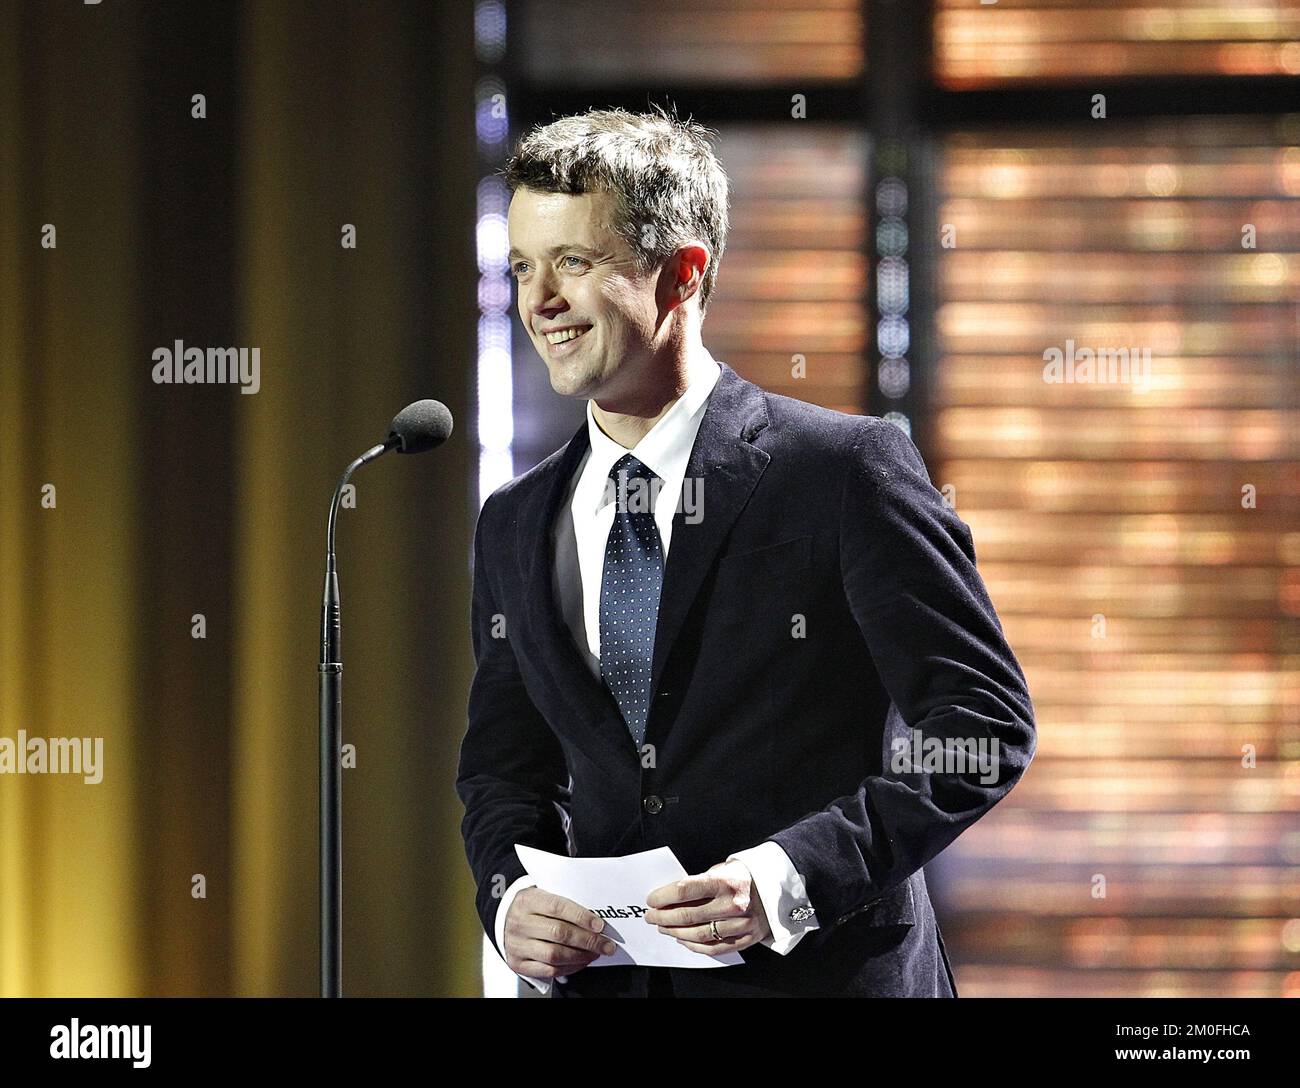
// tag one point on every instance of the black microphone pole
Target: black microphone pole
(418, 427)
(331, 745)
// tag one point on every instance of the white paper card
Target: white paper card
(606, 885)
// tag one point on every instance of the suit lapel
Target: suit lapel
(728, 466)
(569, 673)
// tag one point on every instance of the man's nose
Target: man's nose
(539, 295)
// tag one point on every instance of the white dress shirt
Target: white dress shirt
(580, 533)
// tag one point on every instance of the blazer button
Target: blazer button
(654, 803)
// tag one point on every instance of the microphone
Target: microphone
(421, 426)
(417, 427)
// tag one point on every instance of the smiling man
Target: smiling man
(742, 686)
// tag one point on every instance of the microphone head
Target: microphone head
(420, 426)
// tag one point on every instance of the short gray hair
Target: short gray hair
(662, 171)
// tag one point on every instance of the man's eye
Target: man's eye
(520, 266)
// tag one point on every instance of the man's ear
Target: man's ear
(671, 289)
(691, 264)
(681, 275)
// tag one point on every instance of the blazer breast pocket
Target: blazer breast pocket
(783, 557)
(760, 590)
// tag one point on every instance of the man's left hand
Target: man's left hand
(726, 895)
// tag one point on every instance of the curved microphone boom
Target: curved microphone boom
(417, 427)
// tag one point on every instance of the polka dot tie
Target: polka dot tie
(629, 593)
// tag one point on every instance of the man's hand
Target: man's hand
(726, 895)
(548, 935)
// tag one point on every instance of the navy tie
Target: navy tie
(629, 594)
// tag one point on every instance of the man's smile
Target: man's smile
(561, 342)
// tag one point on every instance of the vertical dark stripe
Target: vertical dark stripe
(188, 235)
(33, 154)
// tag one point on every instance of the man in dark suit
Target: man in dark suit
(718, 620)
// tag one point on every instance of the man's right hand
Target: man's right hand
(547, 935)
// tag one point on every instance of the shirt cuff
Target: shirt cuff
(541, 985)
(781, 890)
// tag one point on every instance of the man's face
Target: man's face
(575, 272)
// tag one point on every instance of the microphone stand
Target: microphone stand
(331, 744)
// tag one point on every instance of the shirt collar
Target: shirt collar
(664, 449)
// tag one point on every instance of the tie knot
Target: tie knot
(635, 469)
(632, 487)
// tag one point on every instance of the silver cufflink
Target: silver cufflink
(798, 914)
